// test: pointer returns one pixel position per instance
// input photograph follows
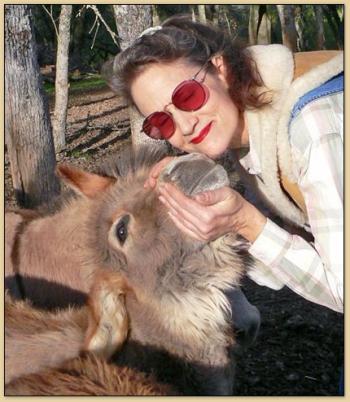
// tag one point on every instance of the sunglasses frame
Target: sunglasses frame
(194, 78)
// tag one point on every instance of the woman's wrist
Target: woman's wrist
(250, 222)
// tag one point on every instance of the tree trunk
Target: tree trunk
(259, 26)
(264, 27)
(320, 39)
(155, 16)
(221, 17)
(61, 83)
(215, 18)
(201, 13)
(253, 24)
(193, 12)
(289, 32)
(131, 21)
(29, 135)
(299, 26)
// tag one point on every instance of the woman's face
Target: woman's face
(210, 130)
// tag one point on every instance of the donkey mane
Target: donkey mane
(129, 162)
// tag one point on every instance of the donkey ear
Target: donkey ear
(89, 184)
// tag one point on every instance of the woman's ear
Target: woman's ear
(219, 63)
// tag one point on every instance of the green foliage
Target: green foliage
(276, 31)
(92, 82)
(167, 10)
(79, 154)
(90, 59)
(93, 50)
(82, 54)
(309, 27)
(238, 17)
(330, 25)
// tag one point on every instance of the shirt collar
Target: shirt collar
(249, 159)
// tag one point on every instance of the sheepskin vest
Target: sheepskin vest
(268, 127)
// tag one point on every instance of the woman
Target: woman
(202, 93)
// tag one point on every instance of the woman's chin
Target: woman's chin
(215, 154)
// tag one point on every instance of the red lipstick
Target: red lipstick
(203, 133)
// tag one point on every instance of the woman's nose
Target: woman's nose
(185, 121)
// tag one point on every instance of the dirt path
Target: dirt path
(97, 125)
(300, 346)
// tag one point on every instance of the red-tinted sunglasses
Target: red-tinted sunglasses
(189, 95)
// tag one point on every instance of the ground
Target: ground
(299, 349)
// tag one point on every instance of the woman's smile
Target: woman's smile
(203, 133)
(211, 129)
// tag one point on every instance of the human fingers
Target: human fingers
(202, 220)
(222, 200)
(178, 201)
(211, 220)
(155, 171)
(201, 233)
(213, 196)
(186, 227)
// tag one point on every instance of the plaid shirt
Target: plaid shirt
(314, 271)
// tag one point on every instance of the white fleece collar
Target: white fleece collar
(268, 126)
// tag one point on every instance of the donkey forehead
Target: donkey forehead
(192, 173)
(129, 196)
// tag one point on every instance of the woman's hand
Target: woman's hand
(212, 214)
(155, 172)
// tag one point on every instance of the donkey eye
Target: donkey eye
(121, 229)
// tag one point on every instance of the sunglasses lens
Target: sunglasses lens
(189, 95)
(159, 125)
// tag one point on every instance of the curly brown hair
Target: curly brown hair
(181, 38)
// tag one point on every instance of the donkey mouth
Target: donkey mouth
(195, 173)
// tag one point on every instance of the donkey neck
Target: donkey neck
(52, 247)
(171, 328)
(190, 318)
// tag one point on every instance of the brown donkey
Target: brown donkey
(117, 232)
(34, 368)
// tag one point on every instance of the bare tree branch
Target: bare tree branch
(50, 13)
(99, 18)
(97, 24)
(81, 9)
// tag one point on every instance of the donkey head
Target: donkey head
(129, 228)
(176, 298)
